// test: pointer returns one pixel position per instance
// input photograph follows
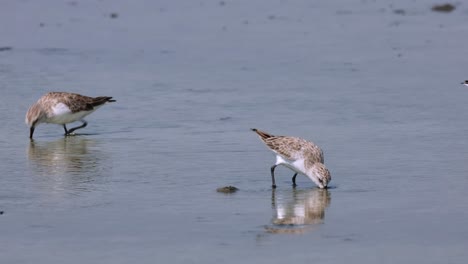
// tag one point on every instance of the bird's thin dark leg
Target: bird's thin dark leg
(78, 127)
(294, 179)
(273, 198)
(273, 184)
(65, 128)
(31, 132)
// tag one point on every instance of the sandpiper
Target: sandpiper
(63, 108)
(299, 155)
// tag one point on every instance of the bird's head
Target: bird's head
(34, 117)
(319, 174)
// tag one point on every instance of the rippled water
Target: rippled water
(376, 87)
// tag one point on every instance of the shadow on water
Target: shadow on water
(69, 164)
(297, 211)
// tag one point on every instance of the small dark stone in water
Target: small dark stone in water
(399, 12)
(1, 212)
(227, 189)
(6, 48)
(443, 8)
(114, 15)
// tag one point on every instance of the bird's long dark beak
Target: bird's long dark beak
(31, 132)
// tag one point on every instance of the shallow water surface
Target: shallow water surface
(378, 89)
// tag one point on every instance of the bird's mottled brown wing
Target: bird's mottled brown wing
(294, 148)
(75, 102)
(78, 102)
(291, 148)
(288, 147)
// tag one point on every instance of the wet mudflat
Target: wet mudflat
(376, 85)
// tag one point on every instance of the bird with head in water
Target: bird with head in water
(62, 108)
(299, 155)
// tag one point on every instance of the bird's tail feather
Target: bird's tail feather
(101, 100)
(262, 134)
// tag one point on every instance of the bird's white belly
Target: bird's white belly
(61, 114)
(296, 165)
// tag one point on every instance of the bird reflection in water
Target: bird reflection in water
(70, 164)
(298, 211)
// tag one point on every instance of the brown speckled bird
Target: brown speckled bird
(63, 108)
(299, 155)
